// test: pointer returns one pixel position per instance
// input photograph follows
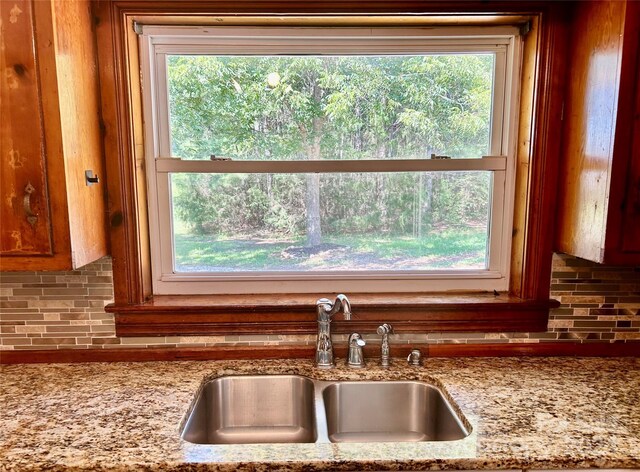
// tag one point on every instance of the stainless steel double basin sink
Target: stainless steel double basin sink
(297, 409)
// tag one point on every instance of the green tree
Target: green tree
(381, 107)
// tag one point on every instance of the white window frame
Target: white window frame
(156, 42)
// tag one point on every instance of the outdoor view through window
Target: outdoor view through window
(395, 108)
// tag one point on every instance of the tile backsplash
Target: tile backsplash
(65, 310)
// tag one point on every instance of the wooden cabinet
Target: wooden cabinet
(50, 135)
(599, 193)
(631, 212)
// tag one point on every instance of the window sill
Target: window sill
(296, 314)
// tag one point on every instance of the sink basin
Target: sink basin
(296, 409)
(389, 411)
(253, 409)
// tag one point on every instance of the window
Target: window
(354, 159)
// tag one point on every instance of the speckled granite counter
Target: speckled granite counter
(525, 413)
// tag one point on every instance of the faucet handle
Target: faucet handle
(324, 303)
(356, 339)
(415, 357)
(355, 358)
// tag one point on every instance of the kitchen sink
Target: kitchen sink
(389, 411)
(296, 409)
(253, 409)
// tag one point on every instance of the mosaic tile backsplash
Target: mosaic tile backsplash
(65, 310)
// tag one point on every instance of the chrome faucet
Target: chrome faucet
(356, 357)
(384, 330)
(326, 309)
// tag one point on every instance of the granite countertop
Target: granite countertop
(532, 413)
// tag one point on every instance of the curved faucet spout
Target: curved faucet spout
(342, 302)
(326, 309)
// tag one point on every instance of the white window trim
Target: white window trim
(158, 41)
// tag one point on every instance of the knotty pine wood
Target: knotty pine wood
(51, 141)
(79, 104)
(631, 349)
(21, 137)
(68, 96)
(598, 123)
(523, 155)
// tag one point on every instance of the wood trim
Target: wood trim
(549, 349)
(154, 354)
(405, 321)
(529, 78)
(130, 250)
(307, 301)
(564, 349)
(544, 155)
(118, 146)
(221, 316)
(199, 8)
(342, 20)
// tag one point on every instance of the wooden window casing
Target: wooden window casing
(524, 308)
(157, 43)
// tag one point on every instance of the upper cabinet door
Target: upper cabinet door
(599, 193)
(52, 216)
(24, 210)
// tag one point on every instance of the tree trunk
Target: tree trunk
(314, 153)
(428, 204)
(419, 212)
(314, 231)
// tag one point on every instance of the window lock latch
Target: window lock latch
(433, 156)
(213, 157)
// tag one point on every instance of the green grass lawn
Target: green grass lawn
(459, 249)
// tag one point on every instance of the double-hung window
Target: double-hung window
(329, 159)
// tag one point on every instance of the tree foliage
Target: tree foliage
(364, 107)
